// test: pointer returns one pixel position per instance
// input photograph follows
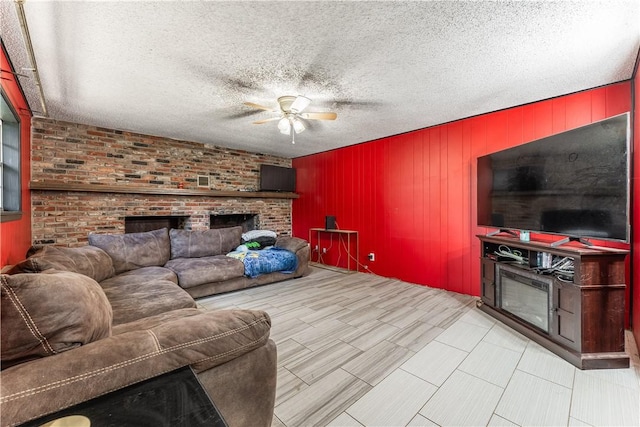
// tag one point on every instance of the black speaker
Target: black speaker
(330, 222)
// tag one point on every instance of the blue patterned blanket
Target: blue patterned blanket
(266, 261)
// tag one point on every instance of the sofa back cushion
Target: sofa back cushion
(88, 260)
(202, 243)
(134, 250)
(48, 313)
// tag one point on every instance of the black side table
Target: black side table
(174, 399)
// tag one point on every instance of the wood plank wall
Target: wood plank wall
(635, 185)
(412, 197)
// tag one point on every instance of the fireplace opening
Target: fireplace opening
(247, 221)
(140, 224)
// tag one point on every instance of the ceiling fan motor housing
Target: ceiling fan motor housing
(293, 104)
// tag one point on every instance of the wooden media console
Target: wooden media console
(569, 299)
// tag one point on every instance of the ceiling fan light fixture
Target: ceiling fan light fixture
(300, 103)
(292, 119)
(298, 126)
(284, 126)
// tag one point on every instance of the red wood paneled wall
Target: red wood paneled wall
(412, 197)
(635, 185)
(15, 236)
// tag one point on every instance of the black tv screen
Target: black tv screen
(277, 178)
(575, 183)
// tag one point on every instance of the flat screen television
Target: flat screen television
(277, 178)
(575, 183)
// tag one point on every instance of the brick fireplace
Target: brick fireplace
(114, 174)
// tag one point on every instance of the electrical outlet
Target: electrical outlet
(372, 256)
(316, 248)
(324, 250)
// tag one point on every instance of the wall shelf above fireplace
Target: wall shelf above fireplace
(136, 189)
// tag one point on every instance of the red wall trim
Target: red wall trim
(15, 236)
(411, 197)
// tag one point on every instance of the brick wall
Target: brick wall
(81, 154)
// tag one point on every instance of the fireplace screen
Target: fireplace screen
(247, 221)
(525, 295)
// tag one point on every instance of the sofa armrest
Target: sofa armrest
(293, 244)
(244, 389)
(301, 248)
(208, 339)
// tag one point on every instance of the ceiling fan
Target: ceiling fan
(291, 114)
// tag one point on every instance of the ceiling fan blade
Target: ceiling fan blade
(258, 106)
(300, 103)
(319, 116)
(259, 122)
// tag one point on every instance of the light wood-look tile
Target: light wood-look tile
(478, 318)
(626, 377)
(289, 350)
(532, 401)
(370, 334)
(462, 335)
(435, 362)
(393, 402)
(420, 421)
(324, 313)
(498, 421)
(358, 316)
(322, 402)
(540, 362)
(491, 363)
(288, 385)
(338, 335)
(322, 362)
(379, 361)
(463, 400)
(403, 316)
(416, 335)
(577, 423)
(344, 420)
(506, 337)
(275, 422)
(442, 317)
(322, 333)
(598, 401)
(284, 330)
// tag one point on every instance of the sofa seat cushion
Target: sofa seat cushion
(155, 320)
(48, 313)
(204, 243)
(138, 299)
(141, 275)
(88, 260)
(134, 250)
(197, 271)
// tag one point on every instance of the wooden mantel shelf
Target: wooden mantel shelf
(132, 189)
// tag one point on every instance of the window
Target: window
(9, 162)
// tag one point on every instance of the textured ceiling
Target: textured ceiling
(183, 69)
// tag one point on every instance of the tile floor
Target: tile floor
(361, 350)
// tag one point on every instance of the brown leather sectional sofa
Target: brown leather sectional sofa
(78, 323)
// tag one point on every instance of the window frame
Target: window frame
(14, 212)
